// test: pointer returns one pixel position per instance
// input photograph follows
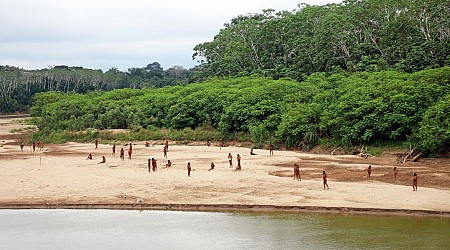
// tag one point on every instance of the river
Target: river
(131, 229)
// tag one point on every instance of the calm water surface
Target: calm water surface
(125, 229)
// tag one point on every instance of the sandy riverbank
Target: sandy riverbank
(61, 176)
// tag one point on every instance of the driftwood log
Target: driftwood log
(362, 153)
(411, 155)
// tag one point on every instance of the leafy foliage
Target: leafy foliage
(356, 35)
(359, 108)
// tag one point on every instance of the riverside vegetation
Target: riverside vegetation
(363, 72)
(352, 109)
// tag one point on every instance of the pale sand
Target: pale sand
(61, 174)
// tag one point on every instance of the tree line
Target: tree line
(352, 108)
(17, 86)
(354, 36)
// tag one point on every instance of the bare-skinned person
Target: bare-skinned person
(238, 167)
(34, 146)
(325, 180)
(297, 172)
(154, 165)
(165, 151)
(89, 157)
(212, 166)
(270, 149)
(230, 160)
(251, 152)
(415, 182)
(114, 149)
(149, 165)
(395, 171)
(189, 169)
(169, 164)
(369, 171)
(96, 143)
(122, 154)
(103, 160)
(21, 146)
(167, 145)
(130, 151)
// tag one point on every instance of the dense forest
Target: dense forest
(357, 35)
(356, 73)
(355, 109)
(354, 36)
(17, 86)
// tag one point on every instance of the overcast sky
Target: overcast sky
(101, 34)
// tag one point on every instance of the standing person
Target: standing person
(415, 182)
(114, 149)
(189, 169)
(395, 173)
(212, 166)
(165, 151)
(297, 172)
(238, 167)
(270, 149)
(39, 145)
(230, 160)
(369, 171)
(96, 143)
(21, 146)
(122, 154)
(130, 151)
(154, 165)
(149, 164)
(325, 182)
(34, 146)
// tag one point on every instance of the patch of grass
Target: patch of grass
(28, 129)
(141, 134)
(375, 151)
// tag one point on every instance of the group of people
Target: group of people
(122, 152)
(230, 161)
(369, 172)
(395, 172)
(34, 145)
(298, 177)
(153, 166)
(103, 158)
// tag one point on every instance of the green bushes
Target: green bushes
(356, 109)
(434, 130)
